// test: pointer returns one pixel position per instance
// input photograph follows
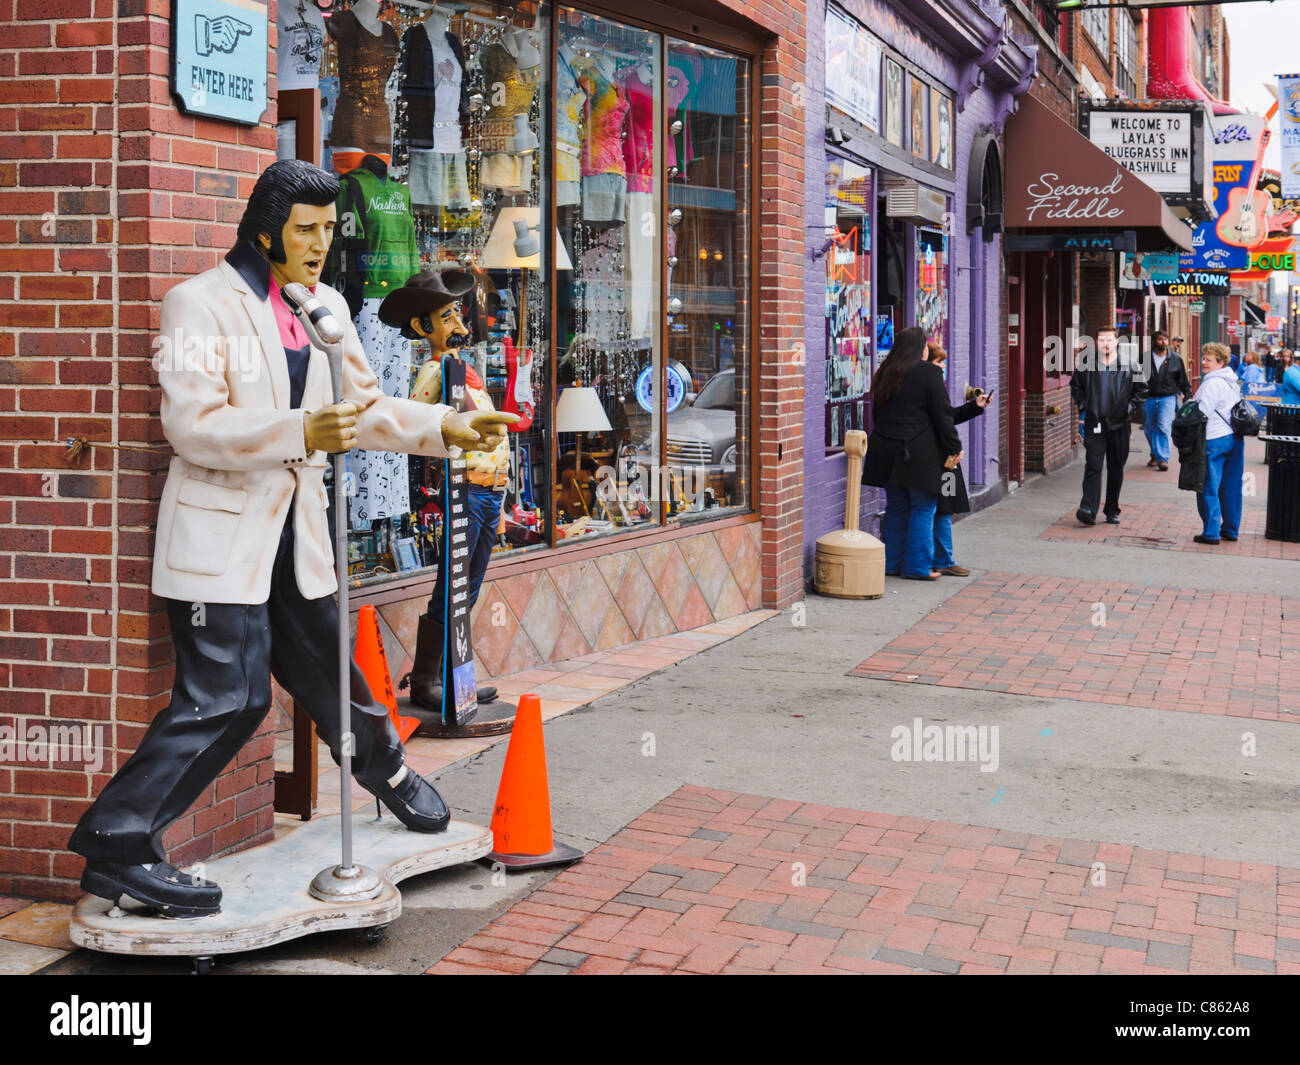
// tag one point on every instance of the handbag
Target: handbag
(1243, 419)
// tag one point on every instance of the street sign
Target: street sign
(1197, 308)
(219, 58)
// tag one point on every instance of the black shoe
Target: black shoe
(1085, 518)
(1112, 519)
(486, 694)
(1205, 539)
(415, 802)
(1230, 539)
(160, 886)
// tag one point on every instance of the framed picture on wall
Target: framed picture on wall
(893, 103)
(941, 130)
(920, 113)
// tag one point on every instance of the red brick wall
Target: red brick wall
(779, 213)
(102, 209)
(1050, 438)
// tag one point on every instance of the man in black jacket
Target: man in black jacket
(1166, 379)
(1106, 390)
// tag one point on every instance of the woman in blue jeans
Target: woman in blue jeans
(953, 498)
(1219, 502)
(912, 440)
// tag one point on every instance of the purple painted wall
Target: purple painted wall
(825, 475)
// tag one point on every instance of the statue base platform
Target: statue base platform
(265, 897)
(491, 719)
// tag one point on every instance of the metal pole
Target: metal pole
(345, 657)
(344, 881)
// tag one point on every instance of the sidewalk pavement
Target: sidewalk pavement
(775, 748)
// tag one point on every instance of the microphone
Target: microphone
(323, 329)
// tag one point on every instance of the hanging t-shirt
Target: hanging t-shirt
(300, 44)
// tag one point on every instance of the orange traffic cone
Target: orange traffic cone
(521, 818)
(370, 657)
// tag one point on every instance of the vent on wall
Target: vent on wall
(915, 203)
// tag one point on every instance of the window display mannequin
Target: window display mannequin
(427, 307)
(367, 53)
(437, 96)
(685, 72)
(511, 73)
(243, 557)
(637, 81)
(571, 105)
(604, 172)
(300, 41)
(373, 254)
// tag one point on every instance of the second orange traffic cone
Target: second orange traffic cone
(373, 663)
(521, 817)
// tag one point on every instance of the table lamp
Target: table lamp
(580, 411)
(513, 245)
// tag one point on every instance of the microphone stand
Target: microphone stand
(345, 881)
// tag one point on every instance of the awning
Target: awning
(1255, 314)
(1058, 181)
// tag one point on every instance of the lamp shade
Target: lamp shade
(499, 252)
(579, 411)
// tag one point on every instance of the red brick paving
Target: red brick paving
(1169, 648)
(1170, 527)
(706, 881)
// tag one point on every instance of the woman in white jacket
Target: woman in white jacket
(1225, 453)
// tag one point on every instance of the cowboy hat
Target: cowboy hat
(424, 293)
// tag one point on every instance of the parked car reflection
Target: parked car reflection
(701, 441)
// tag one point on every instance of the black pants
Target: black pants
(225, 657)
(1111, 445)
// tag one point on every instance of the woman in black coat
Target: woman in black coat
(952, 492)
(912, 438)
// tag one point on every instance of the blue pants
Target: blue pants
(943, 541)
(1157, 423)
(484, 512)
(1219, 502)
(908, 531)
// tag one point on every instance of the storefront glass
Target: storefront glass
(849, 332)
(930, 259)
(438, 123)
(708, 171)
(608, 199)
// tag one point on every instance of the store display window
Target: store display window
(627, 359)
(849, 330)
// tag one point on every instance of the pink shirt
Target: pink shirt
(292, 333)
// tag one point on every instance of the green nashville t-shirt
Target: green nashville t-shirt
(387, 230)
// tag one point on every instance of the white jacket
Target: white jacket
(240, 456)
(1218, 394)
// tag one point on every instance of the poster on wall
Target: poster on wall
(893, 103)
(1288, 98)
(920, 111)
(941, 130)
(848, 315)
(884, 332)
(852, 69)
(219, 59)
(932, 284)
